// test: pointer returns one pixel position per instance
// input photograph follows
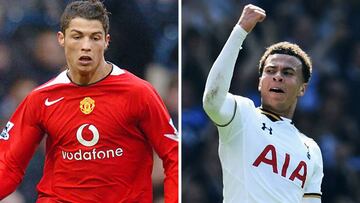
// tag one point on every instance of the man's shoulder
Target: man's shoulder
(310, 143)
(244, 106)
(38, 95)
(244, 101)
(129, 78)
(60, 79)
(136, 87)
(307, 139)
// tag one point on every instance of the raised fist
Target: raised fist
(250, 16)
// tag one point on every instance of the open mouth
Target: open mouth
(85, 58)
(276, 90)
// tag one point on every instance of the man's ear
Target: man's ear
(302, 89)
(107, 41)
(61, 38)
(259, 86)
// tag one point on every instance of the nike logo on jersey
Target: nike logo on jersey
(49, 103)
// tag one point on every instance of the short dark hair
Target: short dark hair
(292, 50)
(88, 9)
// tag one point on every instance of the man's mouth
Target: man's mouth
(276, 90)
(85, 58)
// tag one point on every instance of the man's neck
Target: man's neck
(287, 113)
(86, 78)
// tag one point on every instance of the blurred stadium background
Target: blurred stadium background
(329, 30)
(144, 40)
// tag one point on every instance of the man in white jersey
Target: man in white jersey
(264, 157)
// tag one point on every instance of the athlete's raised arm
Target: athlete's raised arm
(217, 103)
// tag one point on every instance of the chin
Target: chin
(275, 106)
(84, 69)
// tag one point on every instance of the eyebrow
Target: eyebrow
(289, 68)
(79, 32)
(285, 68)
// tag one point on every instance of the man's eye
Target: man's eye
(96, 38)
(288, 73)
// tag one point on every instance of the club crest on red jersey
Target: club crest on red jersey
(87, 105)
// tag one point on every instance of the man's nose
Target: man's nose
(278, 77)
(86, 45)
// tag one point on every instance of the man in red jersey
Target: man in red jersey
(101, 121)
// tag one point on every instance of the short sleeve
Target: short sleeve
(313, 188)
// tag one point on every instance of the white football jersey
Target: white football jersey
(266, 159)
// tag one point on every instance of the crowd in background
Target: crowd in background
(329, 31)
(144, 41)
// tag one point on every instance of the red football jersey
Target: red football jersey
(99, 143)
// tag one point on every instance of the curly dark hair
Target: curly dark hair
(292, 50)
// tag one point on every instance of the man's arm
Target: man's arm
(217, 103)
(159, 129)
(9, 185)
(18, 142)
(313, 187)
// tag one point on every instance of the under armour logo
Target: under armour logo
(264, 127)
(308, 152)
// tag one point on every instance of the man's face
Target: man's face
(84, 42)
(281, 82)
